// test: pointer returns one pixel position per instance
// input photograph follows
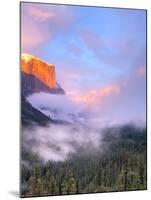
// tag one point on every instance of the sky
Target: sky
(99, 54)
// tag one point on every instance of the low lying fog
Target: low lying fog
(56, 142)
(97, 115)
(57, 107)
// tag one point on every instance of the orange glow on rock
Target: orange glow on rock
(43, 71)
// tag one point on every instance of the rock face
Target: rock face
(38, 76)
(30, 84)
(31, 116)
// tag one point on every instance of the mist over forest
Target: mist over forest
(74, 162)
(74, 154)
(71, 146)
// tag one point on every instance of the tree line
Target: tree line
(118, 165)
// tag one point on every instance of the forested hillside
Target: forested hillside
(119, 164)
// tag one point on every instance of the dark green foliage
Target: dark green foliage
(68, 185)
(118, 165)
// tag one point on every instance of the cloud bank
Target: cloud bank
(56, 142)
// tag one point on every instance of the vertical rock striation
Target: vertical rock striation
(38, 76)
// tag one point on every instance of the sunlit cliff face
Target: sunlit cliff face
(43, 71)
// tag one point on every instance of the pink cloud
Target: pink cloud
(40, 14)
(32, 35)
(40, 23)
(97, 95)
(141, 71)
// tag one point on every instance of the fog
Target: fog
(57, 107)
(108, 111)
(56, 142)
(85, 125)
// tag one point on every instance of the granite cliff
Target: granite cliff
(38, 76)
